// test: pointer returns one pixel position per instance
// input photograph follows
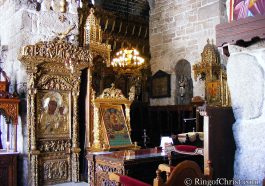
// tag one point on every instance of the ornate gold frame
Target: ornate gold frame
(45, 66)
(110, 96)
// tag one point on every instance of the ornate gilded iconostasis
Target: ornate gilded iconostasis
(53, 84)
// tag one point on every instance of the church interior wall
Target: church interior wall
(179, 30)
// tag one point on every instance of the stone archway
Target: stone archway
(184, 86)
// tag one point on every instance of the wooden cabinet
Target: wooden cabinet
(221, 141)
(8, 168)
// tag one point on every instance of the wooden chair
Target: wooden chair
(175, 175)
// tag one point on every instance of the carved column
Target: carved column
(128, 119)
(96, 128)
(76, 150)
(34, 167)
(89, 110)
(75, 112)
(33, 153)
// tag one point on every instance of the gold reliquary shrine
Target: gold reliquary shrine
(111, 124)
(213, 73)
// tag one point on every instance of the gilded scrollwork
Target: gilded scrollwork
(54, 146)
(112, 92)
(90, 165)
(33, 167)
(102, 173)
(55, 82)
(54, 68)
(55, 170)
(56, 50)
(111, 97)
(93, 38)
(11, 110)
(210, 70)
(52, 95)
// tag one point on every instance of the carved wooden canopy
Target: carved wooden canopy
(8, 102)
(56, 51)
(93, 38)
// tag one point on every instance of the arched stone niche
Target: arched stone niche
(184, 86)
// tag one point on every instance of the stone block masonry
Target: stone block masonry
(21, 24)
(179, 30)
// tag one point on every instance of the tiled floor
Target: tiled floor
(72, 184)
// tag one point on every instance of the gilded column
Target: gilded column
(96, 142)
(32, 122)
(89, 110)
(33, 152)
(75, 123)
(128, 119)
(75, 149)
(34, 167)
(31, 109)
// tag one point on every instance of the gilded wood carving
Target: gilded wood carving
(52, 94)
(93, 38)
(108, 112)
(211, 70)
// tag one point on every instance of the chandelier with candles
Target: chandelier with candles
(127, 61)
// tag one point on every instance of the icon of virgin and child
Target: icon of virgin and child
(117, 130)
(53, 118)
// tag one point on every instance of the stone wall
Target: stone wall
(179, 30)
(21, 24)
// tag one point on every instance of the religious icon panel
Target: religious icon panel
(115, 125)
(53, 114)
